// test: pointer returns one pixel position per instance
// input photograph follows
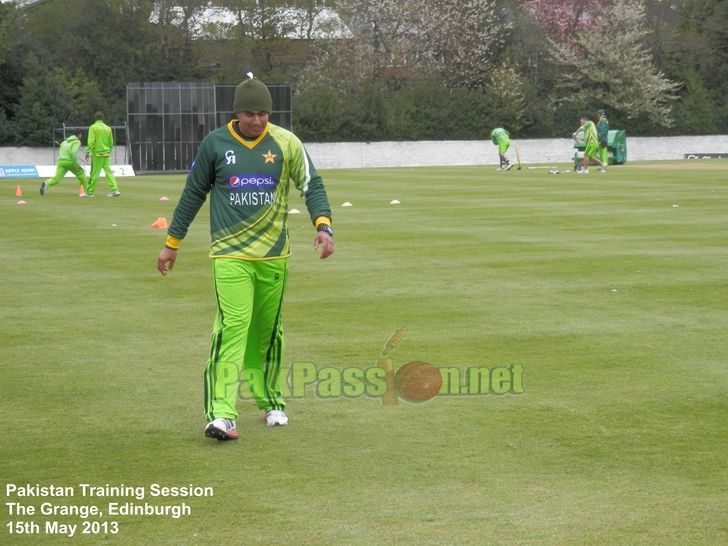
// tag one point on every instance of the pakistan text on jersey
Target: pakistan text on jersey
(252, 198)
(252, 181)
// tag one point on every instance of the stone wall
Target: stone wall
(351, 155)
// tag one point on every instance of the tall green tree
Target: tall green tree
(52, 98)
(691, 45)
(113, 42)
(14, 45)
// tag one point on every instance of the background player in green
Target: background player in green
(246, 168)
(603, 136)
(591, 144)
(67, 161)
(99, 144)
(501, 138)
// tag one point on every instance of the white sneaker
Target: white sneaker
(583, 171)
(222, 429)
(115, 193)
(276, 418)
(602, 169)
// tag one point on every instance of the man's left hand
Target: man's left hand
(324, 244)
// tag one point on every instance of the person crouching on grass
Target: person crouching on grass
(502, 139)
(67, 161)
(591, 145)
(246, 168)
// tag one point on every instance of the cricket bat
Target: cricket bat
(390, 396)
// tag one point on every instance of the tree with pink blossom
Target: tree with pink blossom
(560, 19)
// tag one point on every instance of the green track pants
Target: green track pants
(247, 337)
(62, 168)
(99, 163)
(604, 155)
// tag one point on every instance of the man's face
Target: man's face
(252, 124)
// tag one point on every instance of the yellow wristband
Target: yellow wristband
(172, 242)
(322, 220)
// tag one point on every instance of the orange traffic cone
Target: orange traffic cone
(18, 191)
(160, 223)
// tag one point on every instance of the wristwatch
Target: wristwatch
(326, 228)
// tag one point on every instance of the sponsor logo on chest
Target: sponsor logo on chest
(250, 182)
(252, 189)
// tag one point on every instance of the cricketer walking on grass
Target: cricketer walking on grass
(246, 168)
(591, 144)
(67, 161)
(99, 144)
(501, 138)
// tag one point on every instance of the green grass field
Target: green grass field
(609, 290)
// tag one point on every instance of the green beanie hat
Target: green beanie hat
(251, 95)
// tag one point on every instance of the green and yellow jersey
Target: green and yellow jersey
(100, 140)
(248, 183)
(590, 133)
(68, 149)
(499, 135)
